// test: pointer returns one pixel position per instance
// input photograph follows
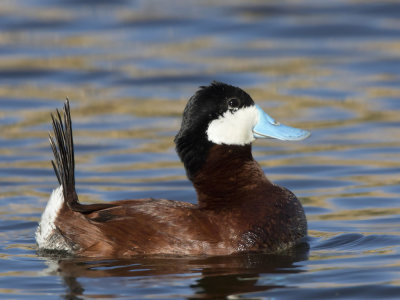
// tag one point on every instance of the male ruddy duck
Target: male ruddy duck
(238, 208)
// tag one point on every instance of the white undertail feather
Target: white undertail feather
(47, 236)
(234, 128)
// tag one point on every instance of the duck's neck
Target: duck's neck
(230, 177)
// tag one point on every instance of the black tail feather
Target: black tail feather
(62, 145)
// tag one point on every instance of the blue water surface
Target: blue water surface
(128, 68)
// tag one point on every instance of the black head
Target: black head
(207, 104)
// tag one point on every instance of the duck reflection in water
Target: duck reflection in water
(210, 277)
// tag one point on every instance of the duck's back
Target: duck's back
(146, 226)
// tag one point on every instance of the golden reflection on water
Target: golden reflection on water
(128, 78)
(359, 105)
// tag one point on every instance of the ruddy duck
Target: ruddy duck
(238, 208)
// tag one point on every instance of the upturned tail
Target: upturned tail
(48, 234)
(62, 144)
(51, 233)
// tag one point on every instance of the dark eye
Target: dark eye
(233, 103)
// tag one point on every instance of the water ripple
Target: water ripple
(129, 67)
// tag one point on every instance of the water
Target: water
(128, 67)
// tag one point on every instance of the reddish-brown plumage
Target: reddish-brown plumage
(239, 210)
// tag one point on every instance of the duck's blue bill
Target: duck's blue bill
(267, 127)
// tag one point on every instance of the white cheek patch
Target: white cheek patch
(234, 128)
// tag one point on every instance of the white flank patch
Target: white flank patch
(234, 128)
(46, 234)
